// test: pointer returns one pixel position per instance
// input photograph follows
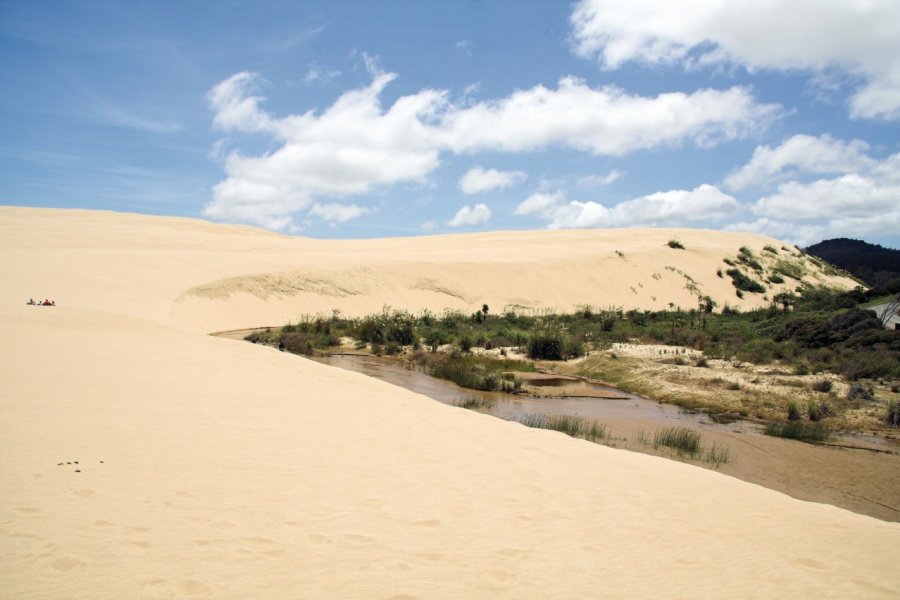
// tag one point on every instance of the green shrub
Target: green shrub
(546, 346)
(790, 269)
(892, 414)
(858, 391)
(793, 411)
(816, 411)
(297, 343)
(822, 385)
(675, 244)
(744, 283)
(465, 343)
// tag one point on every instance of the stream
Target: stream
(624, 407)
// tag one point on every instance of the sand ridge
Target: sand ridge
(231, 470)
(202, 277)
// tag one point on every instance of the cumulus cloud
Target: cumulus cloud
(602, 121)
(595, 181)
(801, 153)
(863, 201)
(478, 180)
(334, 212)
(357, 145)
(470, 215)
(671, 209)
(859, 38)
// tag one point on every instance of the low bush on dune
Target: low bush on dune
(744, 283)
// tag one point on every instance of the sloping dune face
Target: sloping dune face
(203, 277)
(142, 459)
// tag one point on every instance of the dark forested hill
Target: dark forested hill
(872, 263)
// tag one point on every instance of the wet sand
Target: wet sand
(863, 481)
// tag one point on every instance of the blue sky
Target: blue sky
(367, 119)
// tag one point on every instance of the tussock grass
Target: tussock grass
(717, 455)
(797, 430)
(573, 426)
(682, 439)
(474, 403)
(892, 414)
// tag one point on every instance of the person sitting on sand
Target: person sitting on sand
(47, 302)
(31, 302)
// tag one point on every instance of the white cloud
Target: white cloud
(351, 148)
(356, 145)
(801, 153)
(799, 235)
(595, 181)
(317, 73)
(602, 121)
(428, 225)
(671, 209)
(860, 38)
(235, 108)
(860, 203)
(465, 46)
(477, 180)
(539, 203)
(474, 215)
(334, 212)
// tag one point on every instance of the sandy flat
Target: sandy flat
(214, 469)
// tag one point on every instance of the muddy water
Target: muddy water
(861, 481)
(626, 407)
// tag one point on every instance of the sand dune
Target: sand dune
(210, 468)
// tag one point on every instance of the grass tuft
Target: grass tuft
(577, 427)
(797, 430)
(682, 439)
(474, 403)
(892, 414)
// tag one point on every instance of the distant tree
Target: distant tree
(785, 299)
(892, 309)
